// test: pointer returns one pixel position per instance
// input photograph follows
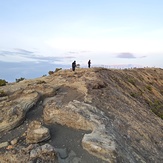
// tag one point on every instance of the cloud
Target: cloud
(22, 55)
(126, 55)
(23, 51)
(19, 52)
(16, 55)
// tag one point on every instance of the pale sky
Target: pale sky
(56, 32)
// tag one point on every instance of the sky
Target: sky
(37, 36)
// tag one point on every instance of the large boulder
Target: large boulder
(37, 133)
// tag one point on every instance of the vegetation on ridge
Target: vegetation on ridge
(2, 82)
(144, 85)
(20, 79)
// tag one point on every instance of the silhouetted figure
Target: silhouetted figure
(73, 65)
(89, 63)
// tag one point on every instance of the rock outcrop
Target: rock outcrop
(14, 109)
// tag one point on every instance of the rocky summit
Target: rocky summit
(87, 116)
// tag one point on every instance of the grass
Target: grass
(132, 81)
(157, 107)
(135, 95)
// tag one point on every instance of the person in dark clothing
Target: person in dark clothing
(73, 65)
(89, 63)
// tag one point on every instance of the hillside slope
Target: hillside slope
(121, 110)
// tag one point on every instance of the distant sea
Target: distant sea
(10, 71)
(28, 70)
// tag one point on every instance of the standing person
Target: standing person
(73, 65)
(89, 63)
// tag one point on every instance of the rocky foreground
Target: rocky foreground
(117, 112)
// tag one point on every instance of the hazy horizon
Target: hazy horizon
(30, 70)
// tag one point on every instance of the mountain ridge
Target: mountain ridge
(121, 107)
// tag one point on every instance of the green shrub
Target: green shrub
(157, 108)
(132, 81)
(3, 82)
(20, 79)
(149, 87)
(133, 94)
(51, 72)
(136, 94)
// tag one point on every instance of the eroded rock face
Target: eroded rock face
(37, 133)
(13, 111)
(86, 117)
(21, 98)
